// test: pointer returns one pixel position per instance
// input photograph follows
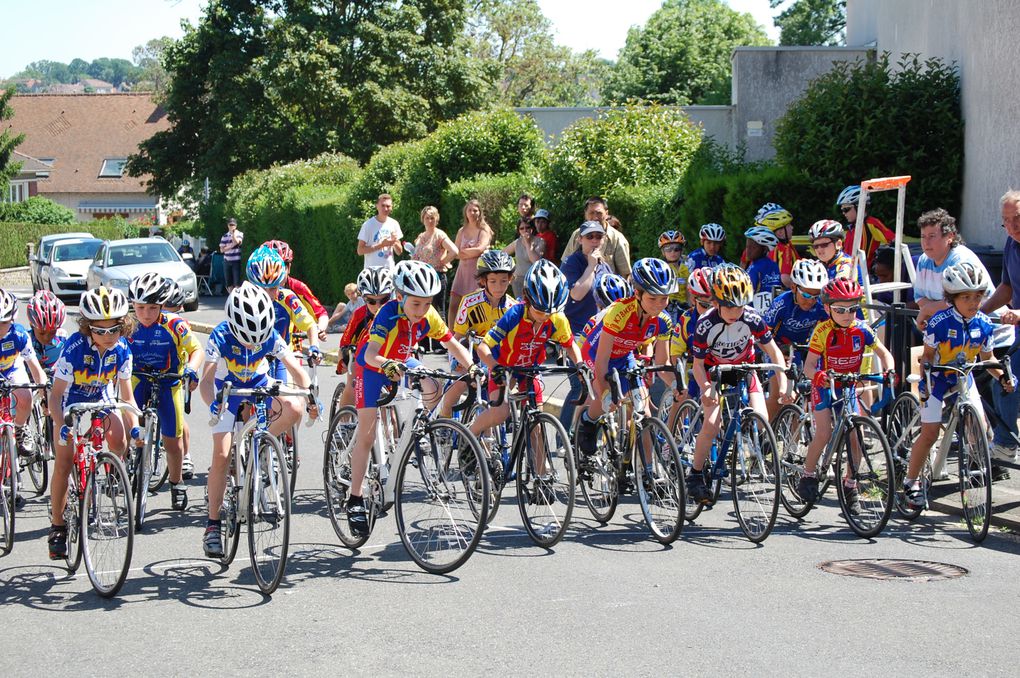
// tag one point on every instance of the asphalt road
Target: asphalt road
(605, 601)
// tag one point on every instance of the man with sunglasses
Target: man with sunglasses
(375, 284)
(875, 233)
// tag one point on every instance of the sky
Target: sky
(90, 29)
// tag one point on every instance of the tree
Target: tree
(149, 59)
(682, 55)
(8, 141)
(258, 82)
(811, 22)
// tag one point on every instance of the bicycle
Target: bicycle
(794, 426)
(746, 441)
(862, 455)
(10, 465)
(40, 428)
(99, 508)
(258, 485)
(622, 453)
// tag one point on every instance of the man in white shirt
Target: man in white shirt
(379, 237)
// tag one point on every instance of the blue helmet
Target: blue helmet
(653, 276)
(266, 267)
(545, 287)
(609, 288)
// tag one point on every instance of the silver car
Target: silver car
(63, 270)
(42, 252)
(118, 262)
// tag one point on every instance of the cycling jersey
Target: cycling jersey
(621, 320)
(291, 314)
(515, 342)
(682, 274)
(15, 349)
(841, 348)
(680, 343)
(91, 374)
(699, 258)
(875, 235)
(239, 364)
(397, 337)
(720, 343)
(357, 328)
(785, 255)
(307, 298)
(477, 315)
(843, 267)
(764, 276)
(49, 353)
(951, 336)
(163, 346)
(790, 324)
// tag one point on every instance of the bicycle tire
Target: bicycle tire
(600, 488)
(440, 518)
(874, 476)
(336, 475)
(791, 436)
(8, 489)
(975, 473)
(686, 426)
(546, 480)
(72, 519)
(334, 404)
(230, 526)
(39, 468)
(903, 426)
(491, 441)
(268, 511)
(755, 477)
(107, 528)
(160, 468)
(290, 454)
(664, 506)
(144, 456)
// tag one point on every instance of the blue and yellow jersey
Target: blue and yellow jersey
(683, 330)
(478, 315)
(397, 337)
(49, 353)
(951, 336)
(516, 342)
(163, 346)
(700, 259)
(790, 324)
(682, 274)
(841, 348)
(843, 267)
(291, 314)
(622, 321)
(15, 348)
(90, 374)
(237, 363)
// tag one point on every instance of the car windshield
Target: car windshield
(142, 253)
(75, 250)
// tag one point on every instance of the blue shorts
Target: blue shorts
(277, 370)
(622, 363)
(171, 406)
(370, 384)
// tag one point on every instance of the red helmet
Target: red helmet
(700, 282)
(841, 289)
(283, 248)
(45, 311)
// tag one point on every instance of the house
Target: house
(25, 183)
(97, 86)
(85, 140)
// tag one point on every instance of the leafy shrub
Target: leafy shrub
(385, 173)
(15, 236)
(498, 195)
(644, 212)
(36, 210)
(874, 119)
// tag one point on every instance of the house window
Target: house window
(113, 167)
(18, 191)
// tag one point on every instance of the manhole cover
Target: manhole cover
(882, 568)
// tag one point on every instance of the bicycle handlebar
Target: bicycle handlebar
(537, 370)
(78, 409)
(272, 391)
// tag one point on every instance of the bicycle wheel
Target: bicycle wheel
(144, 456)
(268, 511)
(289, 445)
(8, 487)
(545, 480)
(793, 434)
(903, 426)
(492, 441)
(336, 475)
(39, 469)
(334, 404)
(597, 477)
(686, 426)
(157, 462)
(662, 493)
(72, 518)
(440, 508)
(975, 473)
(754, 476)
(229, 513)
(865, 460)
(107, 528)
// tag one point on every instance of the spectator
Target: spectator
(473, 238)
(436, 248)
(187, 254)
(379, 237)
(546, 233)
(204, 264)
(230, 247)
(343, 311)
(615, 249)
(526, 208)
(526, 249)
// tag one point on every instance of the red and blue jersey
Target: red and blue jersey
(622, 320)
(290, 313)
(841, 348)
(515, 341)
(397, 336)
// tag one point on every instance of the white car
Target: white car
(42, 252)
(63, 271)
(118, 262)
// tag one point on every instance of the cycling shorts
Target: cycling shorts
(519, 383)
(171, 405)
(624, 362)
(226, 423)
(370, 385)
(931, 409)
(821, 399)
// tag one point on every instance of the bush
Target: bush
(645, 212)
(498, 195)
(15, 236)
(873, 119)
(384, 173)
(36, 210)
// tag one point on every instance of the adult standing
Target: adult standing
(473, 238)
(546, 233)
(526, 249)
(230, 247)
(615, 249)
(379, 237)
(436, 249)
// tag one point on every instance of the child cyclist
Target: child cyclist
(764, 272)
(95, 366)
(780, 222)
(699, 292)
(625, 326)
(396, 330)
(671, 245)
(837, 344)
(174, 303)
(301, 289)
(479, 311)
(712, 238)
(236, 353)
(958, 330)
(726, 335)
(163, 342)
(794, 314)
(827, 238)
(46, 316)
(375, 284)
(875, 234)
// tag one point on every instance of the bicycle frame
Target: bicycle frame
(731, 416)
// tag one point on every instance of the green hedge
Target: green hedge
(645, 212)
(36, 210)
(498, 195)
(14, 237)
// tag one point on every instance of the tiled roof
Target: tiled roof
(28, 163)
(79, 131)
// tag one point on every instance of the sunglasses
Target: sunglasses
(376, 301)
(703, 303)
(846, 208)
(104, 331)
(822, 244)
(673, 248)
(846, 309)
(593, 236)
(808, 296)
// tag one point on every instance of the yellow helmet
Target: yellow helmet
(731, 286)
(775, 219)
(103, 303)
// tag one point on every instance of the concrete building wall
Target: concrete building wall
(716, 120)
(983, 37)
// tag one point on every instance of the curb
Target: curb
(16, 269)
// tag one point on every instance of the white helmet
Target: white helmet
(103, 303)
(149, 288)
(964, 277)
(763, 236)
(810, 274)
(375, 281)
(250, 314)
(713, 232)
(8, 306)
(850, 195)
(416, 279)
